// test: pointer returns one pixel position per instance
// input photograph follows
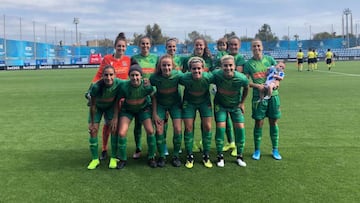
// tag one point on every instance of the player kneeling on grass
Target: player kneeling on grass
(136, 103)
(232, 89)
(104, 101)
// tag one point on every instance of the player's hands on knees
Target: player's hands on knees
(157, 120)
(113, 125)
(92, 129)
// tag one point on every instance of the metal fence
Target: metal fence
(18, 28)
(24, 42)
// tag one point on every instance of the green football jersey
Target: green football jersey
(218, 57)
(106, 97)
(196, 91)
(147, 63)
(239, 60)
(208, 63)
(136, 98)
(229, 91)
(257, 69)
(167, 89)
(178, 62)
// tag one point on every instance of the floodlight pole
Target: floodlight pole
(346, 13)
(76, 22)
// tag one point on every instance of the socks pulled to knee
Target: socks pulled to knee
(93, 143)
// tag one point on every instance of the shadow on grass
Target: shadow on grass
(78, 159)
(67, 159)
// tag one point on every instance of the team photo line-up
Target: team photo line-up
(150, 90)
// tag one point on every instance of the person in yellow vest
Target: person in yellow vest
(310, 57)
(300, 60)
(329, 58)
(315, 58)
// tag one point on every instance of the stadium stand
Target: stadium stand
(26, 53)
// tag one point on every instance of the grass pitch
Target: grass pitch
(44, 146)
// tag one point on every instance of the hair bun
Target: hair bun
(121, 35)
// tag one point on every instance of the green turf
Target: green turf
(44, 146)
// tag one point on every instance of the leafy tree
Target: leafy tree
(155, 34)
(296, 36)
(246, 39)
(265, 34)
(106, 42)
(228, 35)
(285, 37)
(242, 38)
(195, 34)
(192, 36)
(208, 38)
(326, 35)
(322, 35)
(137, 38)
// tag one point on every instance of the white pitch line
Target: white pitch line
(339, 73)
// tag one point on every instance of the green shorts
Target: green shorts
(266, 108)
(189, 109)
(174, 110)
(143, 114)
(108, 115)
(221, 113)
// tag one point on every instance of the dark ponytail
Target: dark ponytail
(121, 36)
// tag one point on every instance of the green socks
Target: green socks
(257, 137)
(177, 144)
(206, 141)
(274, 135)
(229, 129)
(114, 144)
(94, 147)
(219, 139)
(189, 141)
(160, 143)
(137, 133)
(240, 140)
(166, 125)
(151, 142)
(122, 148)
